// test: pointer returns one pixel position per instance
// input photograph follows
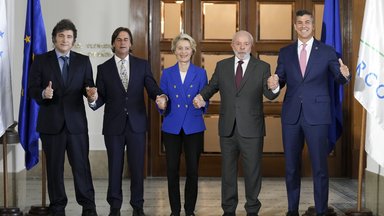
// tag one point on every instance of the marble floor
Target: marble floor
(342, 196)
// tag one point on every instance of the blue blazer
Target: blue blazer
(309, 93)
(180, 112)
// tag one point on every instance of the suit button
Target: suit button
(125, 109)
(191, 86)
(174, 86)
(186, 106)
(177, 96)
(189, 96)
(178, 105)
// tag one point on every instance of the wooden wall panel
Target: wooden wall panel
(343, 163)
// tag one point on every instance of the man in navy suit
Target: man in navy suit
(120, 86)
(58, 81)
(304, 67)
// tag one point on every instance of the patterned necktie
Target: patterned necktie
(64, 70)
(303, 59)
(239, 74)
(124, 75)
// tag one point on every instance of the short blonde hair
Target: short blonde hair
(186, 37)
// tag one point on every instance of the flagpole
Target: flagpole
(42, 210)
(5, 169)
(361, 158)
(361, 211)
(5, 211)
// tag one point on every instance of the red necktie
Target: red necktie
(303, 59)
(239, 74)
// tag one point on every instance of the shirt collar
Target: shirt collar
(117, 59)
(309, 42)
(59, 54)
(244, 60)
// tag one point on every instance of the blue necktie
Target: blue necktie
(64, 70)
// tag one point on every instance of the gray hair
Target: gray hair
(243, 32)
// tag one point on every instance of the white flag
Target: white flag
(6, 104)
(369, 84)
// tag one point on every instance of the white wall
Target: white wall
(95, 21)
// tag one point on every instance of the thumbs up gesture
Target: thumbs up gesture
(344, 69)
(48, 91)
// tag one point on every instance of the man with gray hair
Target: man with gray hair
(242, 81)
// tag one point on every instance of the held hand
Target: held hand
(273, 82)
(48, 91)
(161, 102)
(344, 69)
(91, 94)
(198, 101)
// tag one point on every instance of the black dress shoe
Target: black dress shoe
(138, 212)
(229, 214)
(252, 214)
(175, 214)
(114, 212)
(292, 213)
(58, 214)
(89, 212)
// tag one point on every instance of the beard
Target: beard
(242, 55)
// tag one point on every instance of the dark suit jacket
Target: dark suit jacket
(310, 93)
(244, 105)
(118, 102)
(67, 104)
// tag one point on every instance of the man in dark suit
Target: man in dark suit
(305, 67)
(120, 86)
(58, 81)
(242, 82)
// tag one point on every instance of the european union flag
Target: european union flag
(34, 43)
(331, 35)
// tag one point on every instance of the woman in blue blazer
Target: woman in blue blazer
(183, 125)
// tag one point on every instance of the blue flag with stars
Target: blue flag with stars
(34, 43)
(331, 35)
